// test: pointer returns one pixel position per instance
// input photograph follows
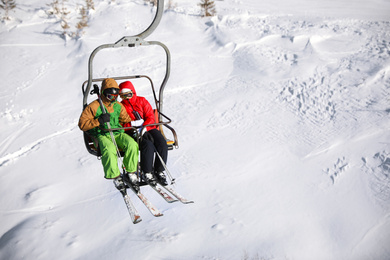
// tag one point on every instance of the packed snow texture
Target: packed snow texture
(282, 112)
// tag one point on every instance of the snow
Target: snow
(281, 109)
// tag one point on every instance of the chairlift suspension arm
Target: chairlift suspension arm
(133, 41)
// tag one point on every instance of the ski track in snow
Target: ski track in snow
(25, 150)
(10, 139)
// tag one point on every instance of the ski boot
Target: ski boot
(131, 180)
(160, 176)
(119, 184)
(148, 177)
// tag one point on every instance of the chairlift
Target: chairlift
(136, 41)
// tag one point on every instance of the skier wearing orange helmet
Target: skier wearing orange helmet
(94, 121)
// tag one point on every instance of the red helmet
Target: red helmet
(126, 90)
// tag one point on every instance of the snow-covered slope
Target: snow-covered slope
(281, 108)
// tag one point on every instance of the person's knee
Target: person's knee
(107, 149)
(127, 142)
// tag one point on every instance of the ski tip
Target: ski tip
(187, 201)
(137, 220)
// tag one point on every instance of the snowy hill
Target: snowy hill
(281, 108)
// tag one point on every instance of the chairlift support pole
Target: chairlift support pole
(135, 41)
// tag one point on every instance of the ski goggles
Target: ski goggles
(127, 95)
(111, 93)
(111, 97)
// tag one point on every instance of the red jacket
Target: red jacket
(141, 105)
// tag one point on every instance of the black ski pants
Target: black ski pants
(150, 142)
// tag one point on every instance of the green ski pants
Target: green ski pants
(110, 158)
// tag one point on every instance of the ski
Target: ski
(155, 212)
(134, 215)
(168, 198)
(177, 195)
(148, 204)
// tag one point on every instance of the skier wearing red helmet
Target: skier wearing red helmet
(141, 112)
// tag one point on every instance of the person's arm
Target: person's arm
(148, 114)
(124, 117)
(87, 119)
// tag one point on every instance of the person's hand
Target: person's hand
(104, 118)
(137, 123)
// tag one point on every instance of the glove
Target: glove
(104, 118)
(137, 122)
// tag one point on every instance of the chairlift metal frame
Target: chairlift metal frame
(132, 42)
